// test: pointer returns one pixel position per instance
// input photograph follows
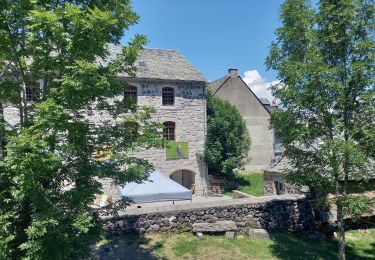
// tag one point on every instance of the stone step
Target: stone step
(218, 226)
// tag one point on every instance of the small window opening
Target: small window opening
(169, 131)
(168, 96)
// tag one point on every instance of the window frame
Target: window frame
(167, 133)
(30, 94)
(131, 93)
(168, 96)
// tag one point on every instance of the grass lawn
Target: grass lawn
(360, 245)
(251, 183)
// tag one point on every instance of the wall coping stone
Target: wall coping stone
(166, 210)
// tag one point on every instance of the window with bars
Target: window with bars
(169, 131)
(168, 96)
(130, 94)
(32, 91)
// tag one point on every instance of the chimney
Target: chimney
(233, 72)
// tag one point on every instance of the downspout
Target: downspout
(205, 131)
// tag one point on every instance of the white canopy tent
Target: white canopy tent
(157, 188)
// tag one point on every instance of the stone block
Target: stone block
(154, 228)
(218, 226)
(229, 234)
(200, 235)
(258, 233)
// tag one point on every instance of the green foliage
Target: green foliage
(48, 175)
(227, 141)
(325, 60)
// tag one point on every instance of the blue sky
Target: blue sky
(213, 35)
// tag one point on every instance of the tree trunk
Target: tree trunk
(341, 233)
(2, 131)
(24, 110)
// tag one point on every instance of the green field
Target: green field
(177, 150)
(251, 183)
(360, 245)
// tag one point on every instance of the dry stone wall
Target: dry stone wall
(287, 212)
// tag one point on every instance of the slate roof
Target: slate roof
(284, 163)
(160, 64)
(264, 101)
(278, 166)
(216, 84)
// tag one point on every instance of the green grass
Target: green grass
(360, 245)
(251, 183)
(177, 150)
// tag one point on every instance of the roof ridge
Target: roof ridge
(162, 64)
(221, 78)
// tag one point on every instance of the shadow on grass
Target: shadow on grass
(287, 246)
(371, 251)
(240, 181)
(132, 246)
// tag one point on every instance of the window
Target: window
(169, 131)
(280, 188)
(32, 91)
(130, 94)
(168, 96)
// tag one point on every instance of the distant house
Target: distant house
(168, 82)
(255, 113)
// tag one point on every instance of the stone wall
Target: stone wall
(189, 114)
(270, 179)
(287, 212)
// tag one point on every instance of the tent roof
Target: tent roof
(157, 188)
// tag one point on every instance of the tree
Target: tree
(227, 140)
(48, 175)
(325, 59)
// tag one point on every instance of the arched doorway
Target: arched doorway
(184, 177)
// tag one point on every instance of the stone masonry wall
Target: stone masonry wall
(269, 184)
(189, 114)
(287, 212)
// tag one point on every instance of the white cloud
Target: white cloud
(258, 85)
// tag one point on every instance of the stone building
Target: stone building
(168, 82)
(275, 183)
(256, 115)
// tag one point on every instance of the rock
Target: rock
(229, 234)
(218, 226)
(258, 233)
(154, 228)
(116, 247)
(200, 235)
(200, 213)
